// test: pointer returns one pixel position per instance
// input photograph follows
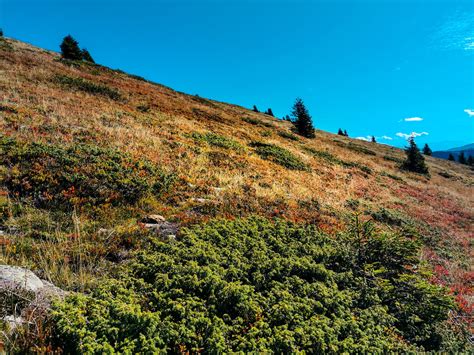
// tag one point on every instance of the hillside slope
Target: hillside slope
(201, 159)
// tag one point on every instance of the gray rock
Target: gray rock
(201, 200)
(21, 289)
(14, 277)
(13, 321)
(153, 219)
(164, 228)
(104, 231)
(159, 225)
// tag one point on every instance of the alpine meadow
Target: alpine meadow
(137, 219)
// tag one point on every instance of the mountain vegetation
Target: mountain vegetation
(427, 150)
(180, 224)
(414, 161)
(70, 50)
(302, 119)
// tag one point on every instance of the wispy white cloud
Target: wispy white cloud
(412, 134)
(413, 119)
(469, 112)
(369, 138)
(457, 32)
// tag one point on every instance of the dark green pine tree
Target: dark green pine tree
(470, 160)
(269, 112)
(373, 139)
(87, 56)
(70, 49)
(255, 109)
(451, 157)
(427, 150)
(1, 32)
(340, 132)
(302, 119)
(414, 161)
(345, 133)
(462, 158)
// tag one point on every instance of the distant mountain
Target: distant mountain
(468, 149)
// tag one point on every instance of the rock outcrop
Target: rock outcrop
(158, 224)
(22, 291)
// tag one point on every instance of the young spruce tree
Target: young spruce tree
(427, 150)
(373, 139)
(302, 119)
(414, 161)
(87, 56)
(470, 160)
(70, 49)
(340, 132)
(269, 112)
(451, 157)
(462, 158)
(255, 109)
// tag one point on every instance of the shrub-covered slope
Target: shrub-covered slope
(86, 152)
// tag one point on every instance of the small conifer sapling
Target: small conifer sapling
(427, 150)
(302, 119)
(414, 161)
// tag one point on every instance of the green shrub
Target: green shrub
(359, 149)
(279, 155)
(394, 159)
(266, 133)
(62, 176)
(253, 285)
(87, 86)
(203, 101)
(8, 109)
(288, 135)
(390, 217)
(216, 140)
(391, 176)
(5, 45)
(143, 108)
(334, 160)
(446, 174)
(256, 122)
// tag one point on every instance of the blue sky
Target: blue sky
(364, 66)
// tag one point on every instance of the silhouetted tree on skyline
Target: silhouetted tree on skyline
(414, 161)
(87, 56)
(470, 160)
(255, 109)
(427, 150)
(70, 49)
(302, 119)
